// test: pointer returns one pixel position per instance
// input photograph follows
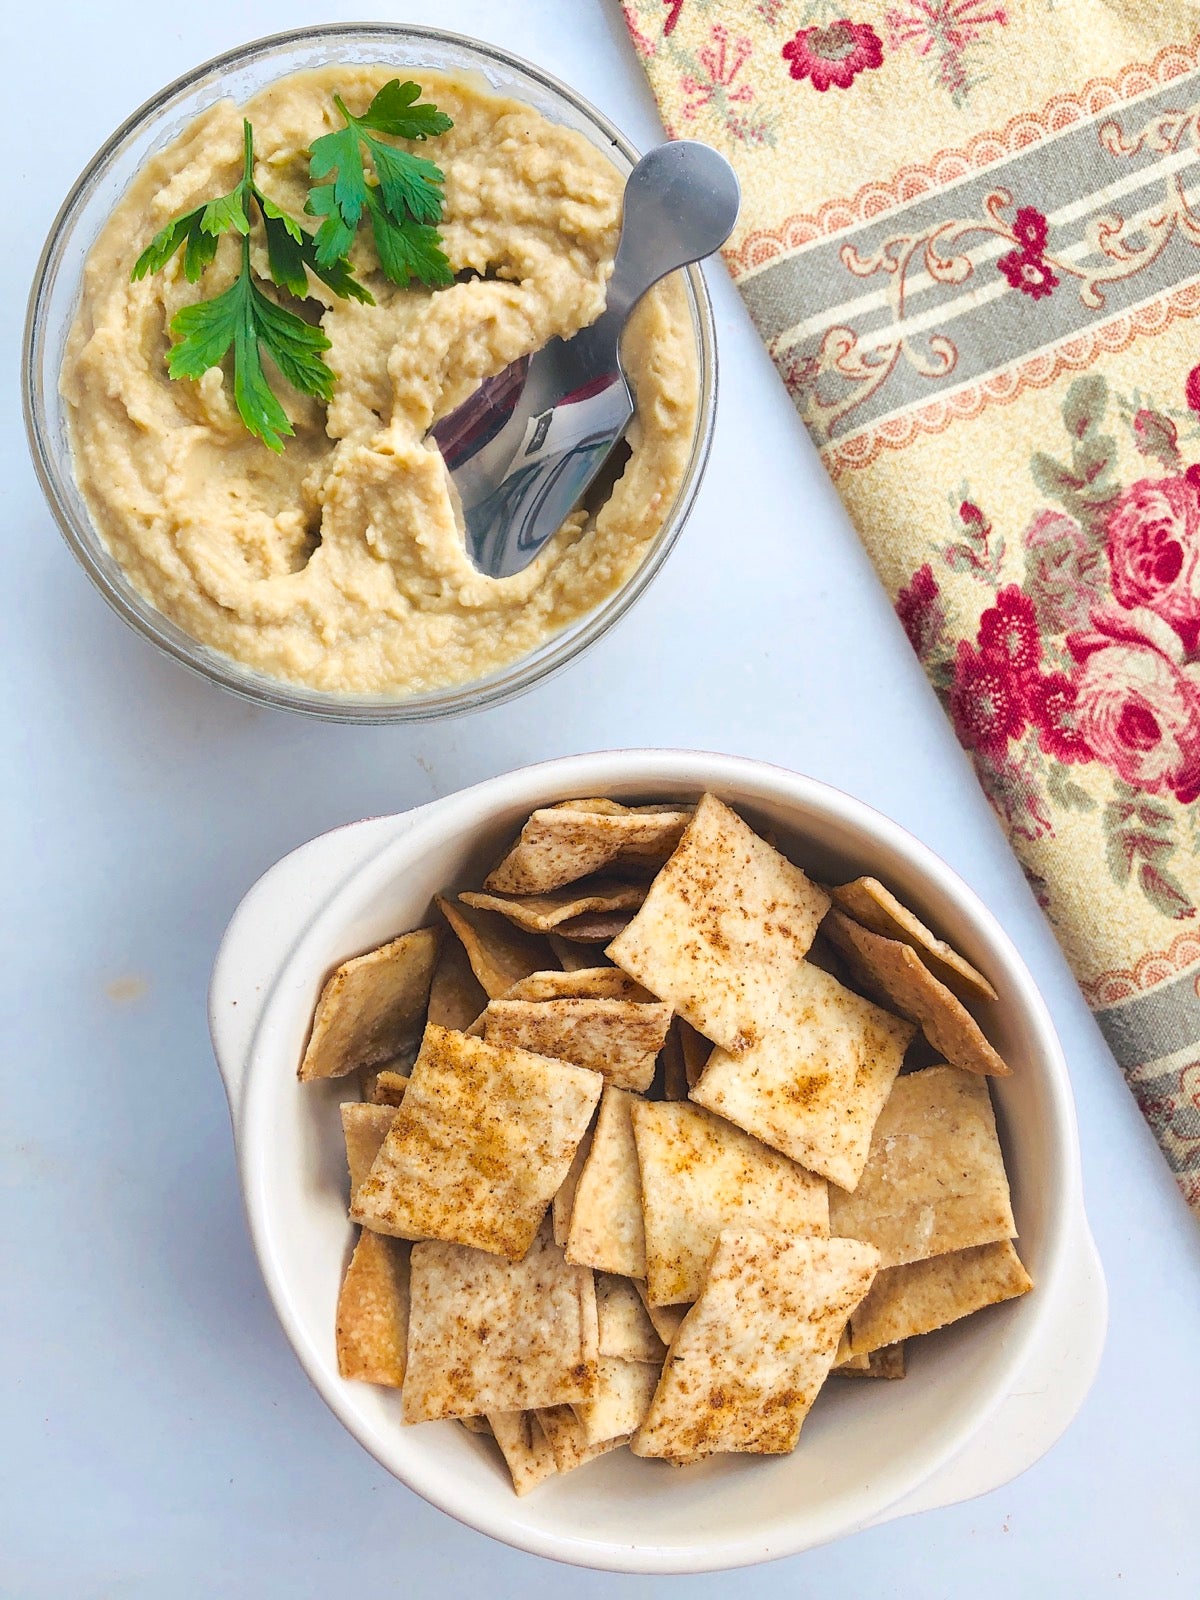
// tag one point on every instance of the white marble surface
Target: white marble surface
(159, 1440)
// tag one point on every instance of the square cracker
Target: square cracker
(568, 1439)
(626, 1390)
(545, 913)
(896, 972)
(618, 1038)
(751, 1354)
(559, 845)
(524, 1447)
(699, 1175)
(606, 1217)
(817, 1079)
(868, 902)
(483, 1139)
(564, 1195)
(487, 1335)
(724, 924)
(370, 1008)
(625, 1327)
(364, 1127)
(372, 1312)
(499, 953)
(934, 1180)
(924, 1295)
(578, 983)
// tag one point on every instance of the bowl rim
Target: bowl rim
(214, 666)
(448, 816)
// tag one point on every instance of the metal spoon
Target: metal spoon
(523, 449)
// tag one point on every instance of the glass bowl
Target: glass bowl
(55, 297)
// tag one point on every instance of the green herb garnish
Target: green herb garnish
(404, 204)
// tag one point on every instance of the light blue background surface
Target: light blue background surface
(157, 1439)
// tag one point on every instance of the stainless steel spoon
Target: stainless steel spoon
(523, 449)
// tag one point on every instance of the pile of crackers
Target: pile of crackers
(656, 1133)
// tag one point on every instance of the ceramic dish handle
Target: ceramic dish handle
(264, 930)
(1045, 1397)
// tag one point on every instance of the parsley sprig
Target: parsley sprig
(404, 204)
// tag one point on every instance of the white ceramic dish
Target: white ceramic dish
(982, 1401)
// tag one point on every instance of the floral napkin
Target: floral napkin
(970, 240)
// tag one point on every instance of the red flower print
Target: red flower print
(1031, 229)
(674, 7)
(1155, 435)
(1154, 551)
(1029, 273)
(1009, 630)
(1191, 389)
(986, 711)
(721, 59)
(920, 610)
(970, 513)
(1051, 701)
(833, 56)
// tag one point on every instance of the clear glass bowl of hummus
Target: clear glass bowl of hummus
(608, 580)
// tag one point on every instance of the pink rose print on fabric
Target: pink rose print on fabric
(1064, 572)
(1054, 712)
(833, 56)
(1009, 630)
(1137, 707)
(1154, 551)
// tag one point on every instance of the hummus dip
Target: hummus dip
(339, 564)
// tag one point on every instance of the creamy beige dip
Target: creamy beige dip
(339, 564)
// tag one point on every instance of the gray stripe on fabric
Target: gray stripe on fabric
(1156, 1024)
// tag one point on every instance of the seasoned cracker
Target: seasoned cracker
(573, 956)
(386, 1088)
(665, 1320)
(924, 1295)
(625, 1327)
(525, 1448)
(564, 1196)
(568, 1439)
(626, 1390)
(618, 1038)
(700, 1175)
(456, 996)
(579, 983)
(868, 902)
(483, 1139)
(725, 923)
(817, 1079)
(934, 1180)
(500, 954)
(559, 845)
(606, 1217)
(897, 972)
(748, 1359)
(372, 1311)
(544, 913)
(364, 1128)
(371, 1007)
(886, 1362)
(488, 1335)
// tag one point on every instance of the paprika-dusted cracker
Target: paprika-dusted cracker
(488, 1335)
(868, 902)
(525, 1448)
(568, 1440)
(665, 1320)
(618, 1038)
(483, 1139)
(606, 1217)
(544, 913)
(371, 1007)
(559, 845)
(456, 996)
(579, 983)
(816, 1081)
(385, 1088)
(626, 1331)
(364, 1128)
(372, 1311)
(626, 1390)
(886, 1362)
(897, 972)
(564, 1196)
(500, 954)
(573, 956)
(924, 1295)
(701, 1175)
(724, 924)
(748, 1359)
(934, 1180)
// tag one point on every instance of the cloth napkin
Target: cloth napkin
(970, 240)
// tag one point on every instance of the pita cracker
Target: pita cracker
(665, 1320)
(724, 924)
(545, 913)
(934, 1180)
(483, 1139)
(488, 1335)
(564, 1196)
(477, 1425)
(371, 1007)
(456, 996)
(581, 983)
(574, 956)
(364, 1128)
(751, 1354)
(594, 927)
(897, 972)
(385, 1088)
(618, 1038)
(372, 1312)
(500, 955)
(568, 1439)
(626, 1390)
(915, 1299)
(560, 845)
(816, 1081)
(886, 1362)
(606, 1218)
(868, 902)
(525, 1448)
(626, 1331)
(701, 1175)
